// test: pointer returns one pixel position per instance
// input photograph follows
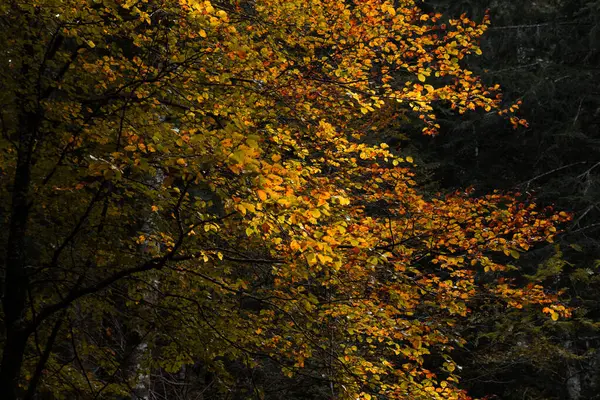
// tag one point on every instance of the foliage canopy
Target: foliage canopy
(187, 181)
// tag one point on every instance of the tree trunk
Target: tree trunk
(143, 381)
(574, 377)
(12, 359)
(15, 279)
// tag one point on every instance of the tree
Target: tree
(190, 182)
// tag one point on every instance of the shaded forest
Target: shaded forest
(300, 199)
(547, 55)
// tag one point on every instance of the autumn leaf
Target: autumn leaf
(262, 195)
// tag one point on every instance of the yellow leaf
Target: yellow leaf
(181, 162)
(421, 77)
(202, 33)
(241, 209)
(294, 245)
(344, 201)
(409, 159)
(315, 213)
(250, 207)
